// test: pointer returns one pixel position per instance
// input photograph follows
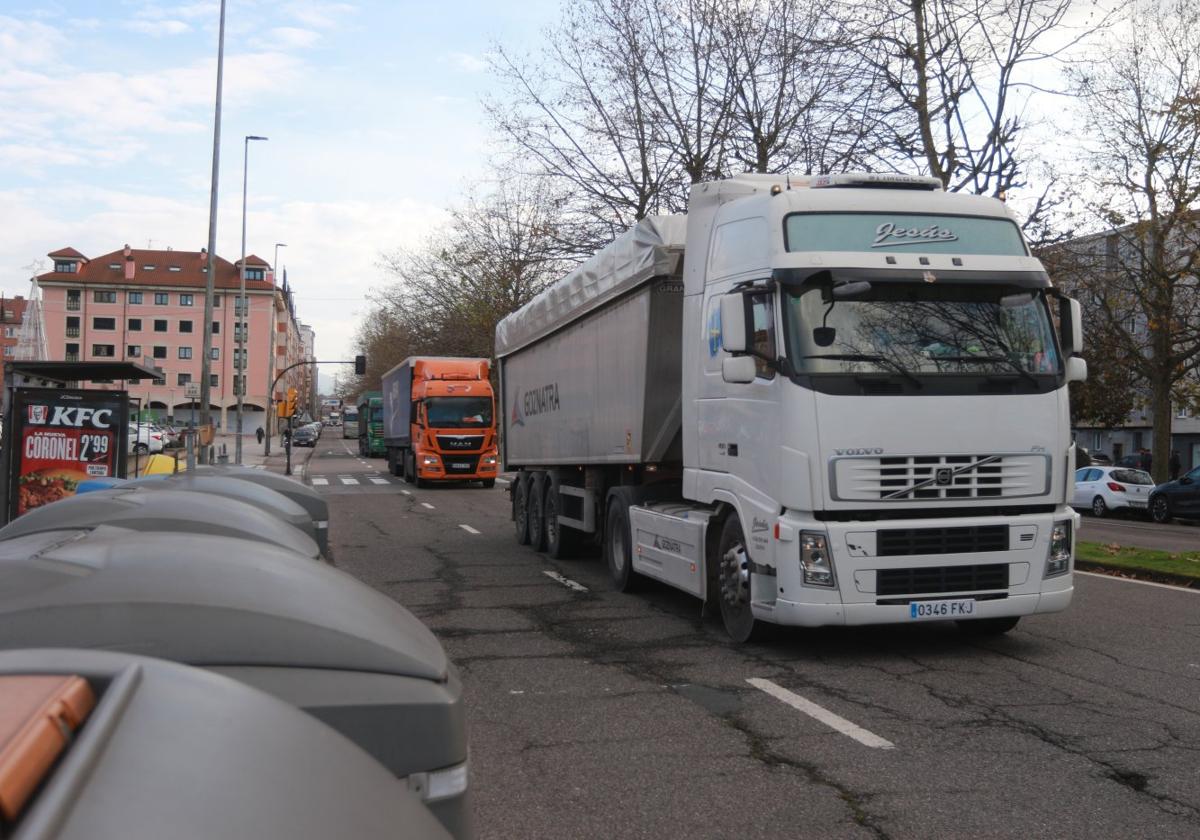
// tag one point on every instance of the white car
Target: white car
(1103, 489)
(145, 440)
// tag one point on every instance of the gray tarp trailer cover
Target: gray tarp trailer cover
(175, 752)
(304, 632)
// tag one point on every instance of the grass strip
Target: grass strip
(1182, 567)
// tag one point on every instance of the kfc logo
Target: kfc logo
(39, 414)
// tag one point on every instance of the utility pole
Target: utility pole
(239, 376)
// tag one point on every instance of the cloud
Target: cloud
(292, 36)
(26, 44)
(468, 63)
(319, 15)
(158, 28)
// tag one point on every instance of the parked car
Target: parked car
(1177, 499)
(1087, 458)
(1103, 489)
(304, 436)
(144, 439)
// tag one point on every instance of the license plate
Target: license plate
(964, 608)
(460, 466)
(1137, 504)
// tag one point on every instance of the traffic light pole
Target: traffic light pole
(360, 367)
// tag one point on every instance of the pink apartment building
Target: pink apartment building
(148, 306)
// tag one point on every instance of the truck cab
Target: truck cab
(370, 425)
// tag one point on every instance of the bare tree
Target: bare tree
(1141, 161)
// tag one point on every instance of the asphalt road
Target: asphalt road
(607, 715)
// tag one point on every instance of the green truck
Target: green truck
(370, 424)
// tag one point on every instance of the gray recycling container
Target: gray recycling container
(263, 498)
(178, 752)
(170, 511)
(305, 632)
(308, 498)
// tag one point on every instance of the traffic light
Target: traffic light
(360, 365)
(290, 403)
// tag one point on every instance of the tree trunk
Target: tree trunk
(1160, 408)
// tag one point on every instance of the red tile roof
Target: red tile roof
(66, 252)
(16, 305)
(190, 273)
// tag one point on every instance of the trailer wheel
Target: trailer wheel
(521, 508)
(733, 582)
(393, 466)
(560, 540)
(537, 516)
(618, 551)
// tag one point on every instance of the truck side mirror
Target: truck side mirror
(1076, 369)
(1070, 316)
(733, 324)
(738, 370)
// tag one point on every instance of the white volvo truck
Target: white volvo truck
(819, 401)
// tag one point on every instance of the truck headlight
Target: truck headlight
(814, 560)
(489, 460)
(1058, 561)
(430, 461)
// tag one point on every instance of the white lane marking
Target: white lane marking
(406, 492)
(380, 481)
(504, 481)
(1142, 582)
(468, 529)
(567, 582)
(320, 482)
(852, 730)
(349, 481)
(426, 504)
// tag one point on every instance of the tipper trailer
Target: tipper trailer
(848, 405)
(439, 420)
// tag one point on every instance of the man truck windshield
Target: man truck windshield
(449, 412)
(920, 328)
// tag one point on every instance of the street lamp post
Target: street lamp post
(239, 377)
(271, 364)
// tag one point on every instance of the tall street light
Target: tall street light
(211, 269)
(271, 362)
(239, 377)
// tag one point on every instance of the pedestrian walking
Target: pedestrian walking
(1146, 461)
(1174, 465)
(260, 434)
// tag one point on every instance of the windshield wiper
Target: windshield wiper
(866, 357)
(991, 360)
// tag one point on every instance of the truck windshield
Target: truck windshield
(350, 417)
(920, 329)
(376, 414)
(449, 412)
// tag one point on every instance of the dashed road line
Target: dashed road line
(406, 492)
(567, 582)
(835, 722)
(380, 481)
(320, 482)
(504, 481)
(468, 529)
(426, 504)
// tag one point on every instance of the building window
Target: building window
(183, 378)
(185, 300)
(185, 352)
(72, 326)
(216, 330)
(161, 298)
(72, 353)
(10, 332)
(174, 268)
(105, 351)
(256, 273)
(134, 297)
(149, 267)
(160, 325)
(238, 360)
(135, 325)
(162, 380)
(104, 323)
(1182, 412)
(241, 333)
(160, 352)
(104, 297)
(114, 266)
(8, 351)
(214, 353)
(1095, 441)
(135, 380)
(216, 300)
(66, 267)
(212, 380)
(73, 300)
(239, 386)
(185, 326)
(133, 351)
(237, 305)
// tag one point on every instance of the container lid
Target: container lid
(167, 510)
(203, 600)
(172, 751)
(260, 497)
(301, 494)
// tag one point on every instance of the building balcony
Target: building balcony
(73, 305)
(72, 332)
(72, 357)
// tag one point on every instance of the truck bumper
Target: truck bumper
(802, 614)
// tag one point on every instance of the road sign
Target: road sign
(192, 390)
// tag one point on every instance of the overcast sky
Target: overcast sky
(371, 107)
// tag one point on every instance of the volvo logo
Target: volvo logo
(869, 450)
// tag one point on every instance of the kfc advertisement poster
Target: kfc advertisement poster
(63, 438)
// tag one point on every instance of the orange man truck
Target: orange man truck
(439, 422)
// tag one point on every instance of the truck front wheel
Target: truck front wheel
(617, 549)
(733, 584)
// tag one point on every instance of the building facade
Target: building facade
(147, 306)
(12, 316)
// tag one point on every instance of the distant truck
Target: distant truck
(370, 424)
(439, 420)
(847, 405)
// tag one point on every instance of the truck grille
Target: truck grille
(460, 443)
(904, 478)
(904, 542)
(940, 579)
(463, 464)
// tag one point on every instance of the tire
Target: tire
(141, 449)
(393, 468)
(537, 516)
(733, 585)
(1099, 508)
(618, 553)
(408, 466)
(988, 626)
(489, 483)
(560, 540)
(521, 508)
(1160, 510)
